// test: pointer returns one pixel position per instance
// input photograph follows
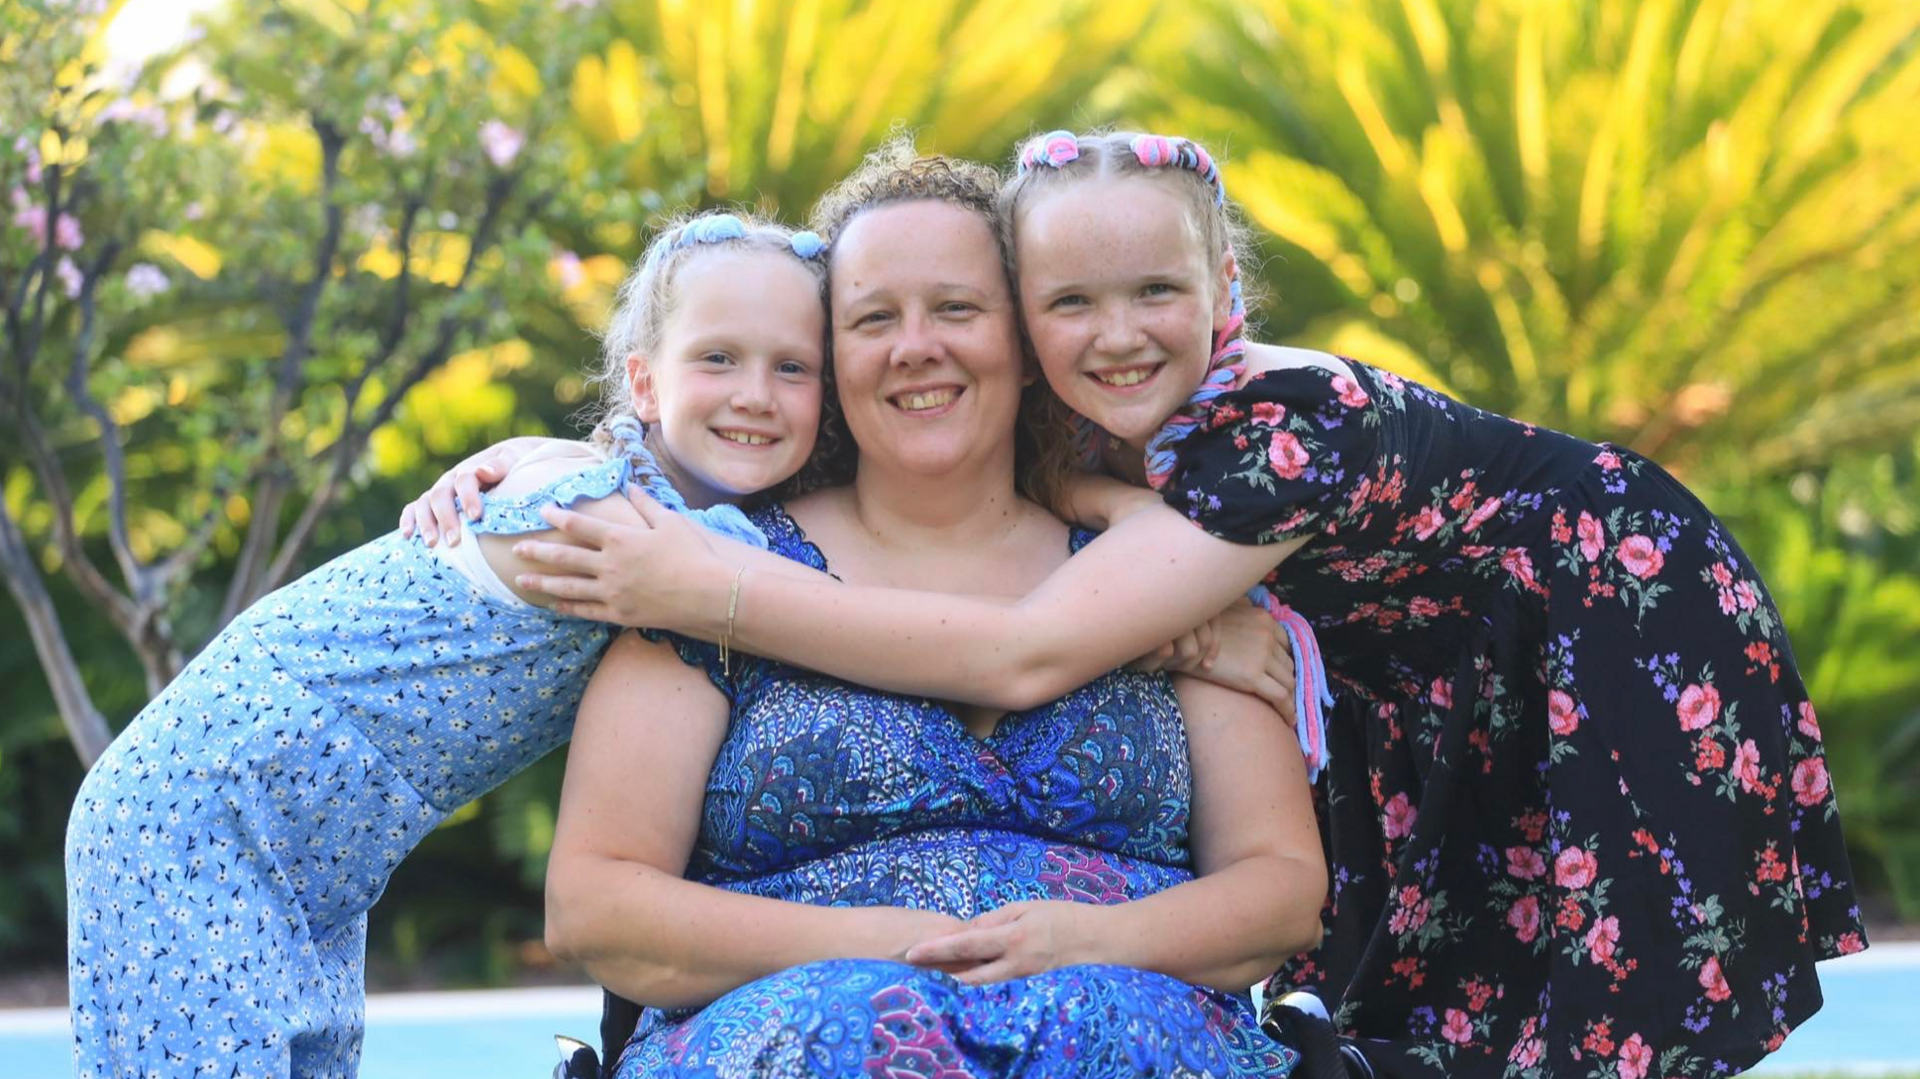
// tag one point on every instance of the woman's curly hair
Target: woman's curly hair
(894, 172)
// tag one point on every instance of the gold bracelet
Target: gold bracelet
(726, 636)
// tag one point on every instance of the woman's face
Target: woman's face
(926, 349)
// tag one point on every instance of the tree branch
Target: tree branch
(86, 727)
(110, 450)
(274, 483)
(346, 449)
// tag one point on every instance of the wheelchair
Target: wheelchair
(1299, 1019)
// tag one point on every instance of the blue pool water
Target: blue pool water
(1870, 1026)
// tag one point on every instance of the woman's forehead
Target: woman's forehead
(919, 242)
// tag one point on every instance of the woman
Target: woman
(878, 882)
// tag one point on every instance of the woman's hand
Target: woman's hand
(1014, 941)
(433, 514)
(1240, 648)
(660, 573)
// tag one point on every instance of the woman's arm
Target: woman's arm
(1151, 578)
(645, 739)
(1254, 902)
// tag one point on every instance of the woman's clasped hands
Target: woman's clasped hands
(1014, 941)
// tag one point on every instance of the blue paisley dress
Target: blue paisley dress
(223, 852)
(829, 793)
(1577, 813)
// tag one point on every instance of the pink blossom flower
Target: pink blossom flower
(1287, 456)
(1603, 938)
(1743, 594)
(1562, 718)
(144, 279)
(1636, 1057)
(1809, 723)
(1575, 868)
(1524, 917)
(70, 280)
(1441, 693)
(1351, 395)
(1487, 509)
(501, 143)
(1458, 1029)
(1699, 706)
(1727, 605)
(566, 268)
(1746, 765)
(1525, 863)
(1526, 1053)
(1849, 943)
(1722, 576)
(1269, 413)
(30, 217)
(1640, 556)
(1593, 537)
(1607, 460)
(1713, 981)
(1399, 816)
(1810, 781)
(30, 153)
(67, 234)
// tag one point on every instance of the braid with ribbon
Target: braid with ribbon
(1311, 695)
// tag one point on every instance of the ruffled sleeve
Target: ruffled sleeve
(519, 514)
(1283, 456)
(704, 656)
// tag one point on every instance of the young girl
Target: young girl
(223, 853)
(1576, 807)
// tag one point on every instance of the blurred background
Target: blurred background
(268, 267)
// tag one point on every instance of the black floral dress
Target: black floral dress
(1577, 814)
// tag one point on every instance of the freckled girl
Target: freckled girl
(223, 853)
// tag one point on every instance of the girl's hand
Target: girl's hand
(1101, 501)
(1014, 941)
(1249, 653)
(433, 514)
(660, 572)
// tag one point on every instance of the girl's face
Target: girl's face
(926, 349)
(734, 388)
(1121, 299)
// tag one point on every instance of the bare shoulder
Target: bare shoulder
(554, 459)
(1264, 358)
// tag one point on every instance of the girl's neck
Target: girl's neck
(697, 495)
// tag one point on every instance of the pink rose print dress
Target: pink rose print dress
(1577, 812)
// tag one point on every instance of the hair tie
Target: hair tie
(711, 229)
(807, 244)
(1158, 151)
(1053, 149)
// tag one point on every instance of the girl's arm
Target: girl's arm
(1153, 577)
(1254, 902)
(648, 730)
(434, 515)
